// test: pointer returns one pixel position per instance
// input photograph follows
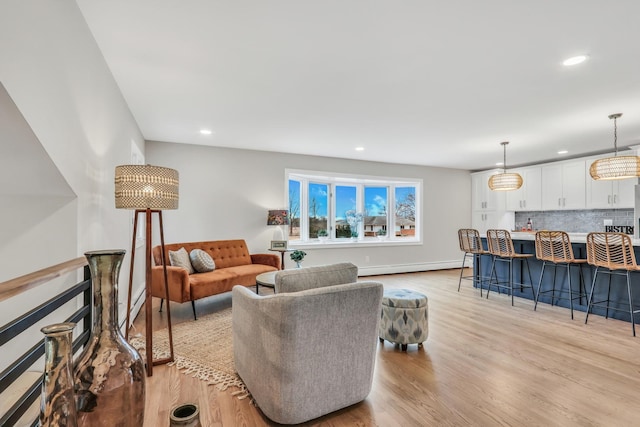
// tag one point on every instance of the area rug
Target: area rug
(202, 348)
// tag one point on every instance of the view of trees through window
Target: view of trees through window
(330, 209)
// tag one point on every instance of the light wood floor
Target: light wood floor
(485, 364)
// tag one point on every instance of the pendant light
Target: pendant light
(505, 181)
(616, 167)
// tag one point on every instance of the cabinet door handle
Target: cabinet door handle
(615, 199)
(560, 201)
(564, 201)
(524, 203)
(608, 200)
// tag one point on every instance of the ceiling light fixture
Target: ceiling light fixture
(616, 167)
(574, 60)
(562, 152)
(205, 131)
(505, 181)
(359, 148)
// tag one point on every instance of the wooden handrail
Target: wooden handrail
(20, 284)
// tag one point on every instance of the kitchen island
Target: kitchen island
(524, 242)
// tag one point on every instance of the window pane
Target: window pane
(375, 202)
(318, 202)
(345, 201)
(405, 211)
(294, 209)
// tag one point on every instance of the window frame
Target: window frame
(332, 179)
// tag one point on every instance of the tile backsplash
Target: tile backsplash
(576, 221)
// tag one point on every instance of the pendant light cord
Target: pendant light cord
(615, 131)
(615, 135)
(504, 157)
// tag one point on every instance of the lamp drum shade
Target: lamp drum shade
(618, 167)
(146, 187)
(278, 217)
(505, 181)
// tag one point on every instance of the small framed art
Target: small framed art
(279, 245)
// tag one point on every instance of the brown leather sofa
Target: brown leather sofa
(234, 266)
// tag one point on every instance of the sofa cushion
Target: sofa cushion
(201, 261)
(180, 258)
(224, 279)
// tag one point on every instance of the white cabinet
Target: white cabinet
(488, 205)
(605, 194)
(611, 194)
(483, 198)
(563, 185)
(529, 196)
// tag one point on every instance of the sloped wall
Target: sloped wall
(56, 76)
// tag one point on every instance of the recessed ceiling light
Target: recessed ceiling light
(563, 152)
(205, 131)
(359, 148)
(574, 60)
(499, 164)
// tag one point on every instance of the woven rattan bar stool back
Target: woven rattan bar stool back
(501, 248)
(471, 245)
(554, 248)
(612, 254)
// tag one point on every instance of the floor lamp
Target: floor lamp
(148, 190)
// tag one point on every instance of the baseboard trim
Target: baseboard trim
(408, 268)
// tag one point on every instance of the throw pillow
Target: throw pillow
(180, 258)
(201, 261)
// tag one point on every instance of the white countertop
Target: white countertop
(574, 237)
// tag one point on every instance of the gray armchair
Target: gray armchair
(309, 349)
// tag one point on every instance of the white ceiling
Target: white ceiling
(425, 82)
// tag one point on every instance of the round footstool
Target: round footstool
(405, 317)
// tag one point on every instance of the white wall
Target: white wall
(55, 74)
(225, 194)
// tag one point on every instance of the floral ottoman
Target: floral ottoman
(405, 317)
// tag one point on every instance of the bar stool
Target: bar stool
(614, 253)
(501, 248)
(554, 247)
(471, 245)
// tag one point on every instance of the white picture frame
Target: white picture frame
(278, 245)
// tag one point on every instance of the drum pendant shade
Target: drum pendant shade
(146, 187)
(505, 181)
(616, 167)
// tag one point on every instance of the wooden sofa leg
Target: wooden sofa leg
(161, 301)
(193, 305)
